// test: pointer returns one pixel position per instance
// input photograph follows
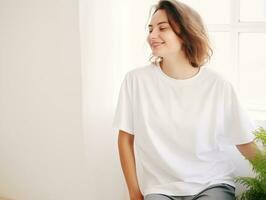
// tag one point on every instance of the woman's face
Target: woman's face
(161, 38)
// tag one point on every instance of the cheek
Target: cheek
(174, 43)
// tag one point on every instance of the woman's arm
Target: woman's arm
(248, 150)
(127, 159)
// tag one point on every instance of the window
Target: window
(237, 30)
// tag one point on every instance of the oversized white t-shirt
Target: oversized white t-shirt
(180, 127)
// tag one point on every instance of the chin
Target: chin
(157, 54)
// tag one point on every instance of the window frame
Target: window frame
(235, 28)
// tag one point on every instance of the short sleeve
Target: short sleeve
(123, 117)
(238, 126)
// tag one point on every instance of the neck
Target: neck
(178, 67)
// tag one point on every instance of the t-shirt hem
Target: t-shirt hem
(171, 193)
(125, 129)
(166, 192)
(191, 193)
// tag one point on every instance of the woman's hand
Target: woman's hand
(136, 196)
(249, 150)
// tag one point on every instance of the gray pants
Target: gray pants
(214, 192)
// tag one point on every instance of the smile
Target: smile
(157, 44)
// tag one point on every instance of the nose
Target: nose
(153, 34)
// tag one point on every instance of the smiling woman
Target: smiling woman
(180, 115)
(185, 23)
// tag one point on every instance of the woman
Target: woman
(175, 116)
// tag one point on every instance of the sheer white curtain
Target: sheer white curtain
(112, 42)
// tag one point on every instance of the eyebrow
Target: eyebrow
(158, 23)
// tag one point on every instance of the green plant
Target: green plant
(256, 186)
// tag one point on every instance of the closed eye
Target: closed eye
(162, 28)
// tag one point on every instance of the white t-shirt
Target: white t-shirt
(180, 127)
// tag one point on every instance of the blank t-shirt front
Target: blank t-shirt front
(180, 127)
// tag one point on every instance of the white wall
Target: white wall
(42, 151)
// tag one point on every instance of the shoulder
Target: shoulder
(223, 84)
(216, 78)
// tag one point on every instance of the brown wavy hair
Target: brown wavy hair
(188, 26)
